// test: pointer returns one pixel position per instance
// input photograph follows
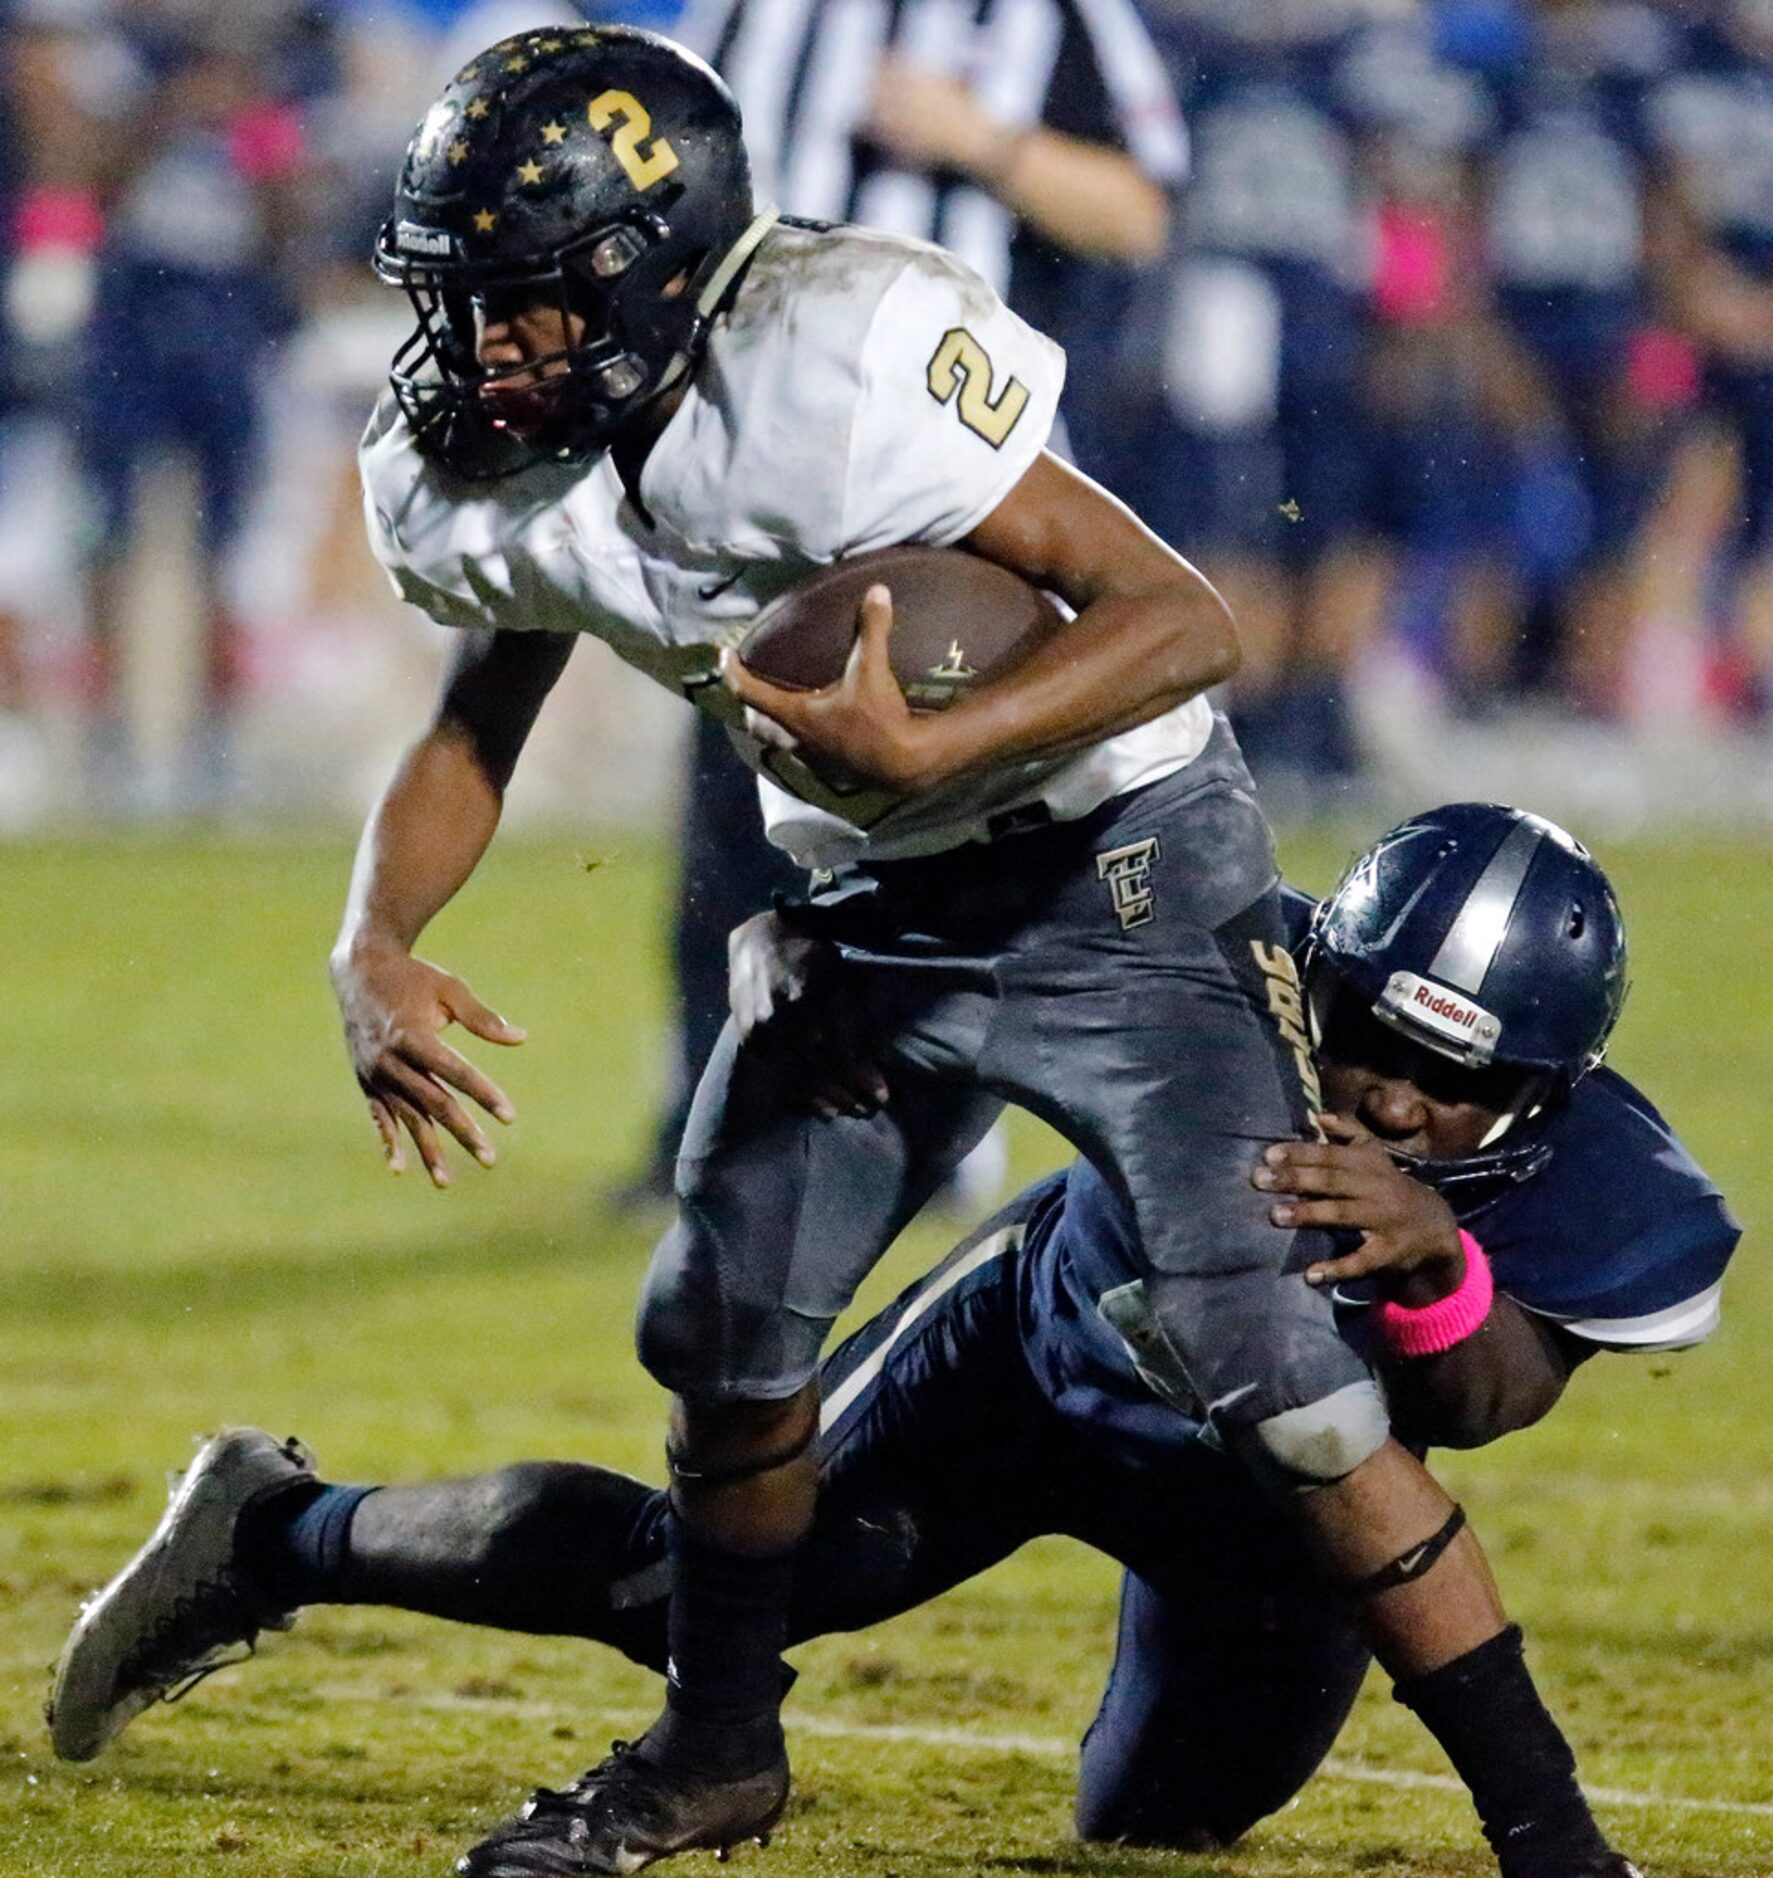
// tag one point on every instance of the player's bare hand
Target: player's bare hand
(395, 1009)
(1348, 1182)
(862, 722)
(785, 997)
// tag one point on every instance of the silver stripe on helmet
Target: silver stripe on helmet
(1478, 929)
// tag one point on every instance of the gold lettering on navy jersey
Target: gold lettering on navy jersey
(1128, 873)
(1286, 1005)
(960, 364)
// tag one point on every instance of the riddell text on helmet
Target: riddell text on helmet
(1438, 1002)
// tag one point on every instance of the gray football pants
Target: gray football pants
(1125, 977)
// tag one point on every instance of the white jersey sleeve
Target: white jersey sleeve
(408, 533)
(540, 551)
(955, 398)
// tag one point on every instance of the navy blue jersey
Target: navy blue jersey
(1619, 1236)
(1563, 168)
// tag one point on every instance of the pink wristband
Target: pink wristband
(1445, 1322)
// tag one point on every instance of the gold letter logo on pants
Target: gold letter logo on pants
(1128, 873)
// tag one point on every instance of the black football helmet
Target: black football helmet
(602, 169)
(1490, 937)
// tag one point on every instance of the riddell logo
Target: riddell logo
(411, 239)
(1416, 1003)
(1464, 1015)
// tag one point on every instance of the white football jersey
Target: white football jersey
(862, 390)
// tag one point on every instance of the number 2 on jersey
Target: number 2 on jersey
(644, 167)
(960, 364)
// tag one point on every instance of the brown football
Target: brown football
(958, 622)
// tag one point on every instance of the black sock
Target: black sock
(729, 1625)
(1484, 1710)
(296, 1544)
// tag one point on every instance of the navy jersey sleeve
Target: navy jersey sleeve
(1621, 1237)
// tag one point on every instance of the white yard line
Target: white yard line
(1043, 1747)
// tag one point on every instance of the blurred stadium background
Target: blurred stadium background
(1458, 375)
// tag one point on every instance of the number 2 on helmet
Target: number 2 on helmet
(644, 167)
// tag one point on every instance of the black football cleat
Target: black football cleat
(181, 1605)
(626, 1813)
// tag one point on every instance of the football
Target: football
(958, 622)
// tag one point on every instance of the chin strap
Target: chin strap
(719, 284)
(709, 299)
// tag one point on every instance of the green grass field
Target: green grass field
(194, 1228)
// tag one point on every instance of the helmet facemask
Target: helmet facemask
(592, 385)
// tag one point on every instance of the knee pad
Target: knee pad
(1325, 1440)
(666, 1322)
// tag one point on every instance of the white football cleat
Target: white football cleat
(170, 1616)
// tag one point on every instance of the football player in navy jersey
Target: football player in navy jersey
(1509, 1209)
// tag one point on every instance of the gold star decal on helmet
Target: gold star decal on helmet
(485, 221)
(478, 109)
(458, 152)
(549, 45)
(554, 133)
(518, 64)
(530, 172)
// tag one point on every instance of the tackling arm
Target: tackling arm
(1506, 1375)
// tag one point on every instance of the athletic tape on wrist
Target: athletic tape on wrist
(1435, 1327)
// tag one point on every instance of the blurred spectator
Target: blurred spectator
(1563, 188)
(202, 208)
(62, 82)
(1712, 124)
(1254, 458)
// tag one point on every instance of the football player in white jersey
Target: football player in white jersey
(638, 408)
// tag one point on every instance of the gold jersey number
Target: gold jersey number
(960, 364)
(644, 167)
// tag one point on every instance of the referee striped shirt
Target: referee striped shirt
(804, 70)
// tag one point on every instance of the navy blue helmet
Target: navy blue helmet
(602, 170)
(1486, 935)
